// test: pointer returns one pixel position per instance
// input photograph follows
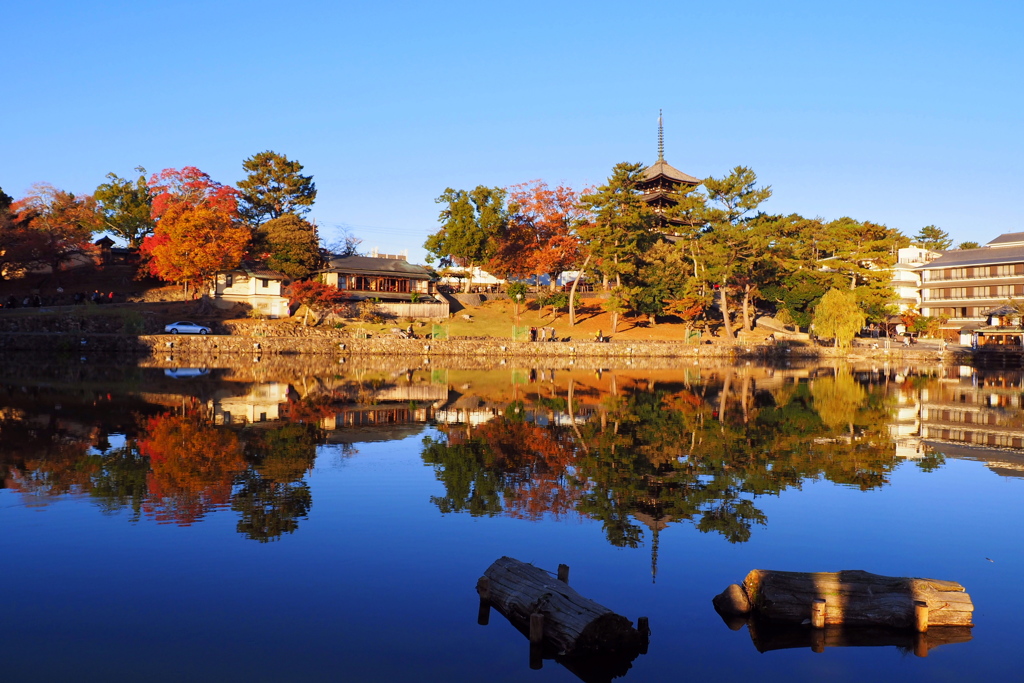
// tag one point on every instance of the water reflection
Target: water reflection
(635, 449)
(698, 449)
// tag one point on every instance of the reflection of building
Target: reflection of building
(977, 416)
(979, 410)
(261, 404)
(905, 427)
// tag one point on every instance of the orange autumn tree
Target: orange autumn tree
(540, 237)
(60, 222)
(198, 232)
(192, 466)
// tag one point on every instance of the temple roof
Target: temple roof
(663, 168)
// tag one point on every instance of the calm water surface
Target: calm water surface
(288, 523)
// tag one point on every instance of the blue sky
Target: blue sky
(903, 113)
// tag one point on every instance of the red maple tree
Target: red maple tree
(540, 238)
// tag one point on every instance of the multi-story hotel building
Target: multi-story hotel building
(906, 279)
(967, 283)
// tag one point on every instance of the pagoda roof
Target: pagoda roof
(663, 168)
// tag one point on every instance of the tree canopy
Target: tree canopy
(289, 244)
(934, 238)
(469, 223)
(62, 223)
(191, 244)
(126, 207)
(274, 187)
(837, 316)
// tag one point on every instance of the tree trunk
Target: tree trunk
(615, 321)
(468, 284)
(572, 292)
(573, 624)
(746, 308)
(724, 304)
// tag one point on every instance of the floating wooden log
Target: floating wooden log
(850, 597)
(572, 625)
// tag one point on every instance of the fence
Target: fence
(418, 310)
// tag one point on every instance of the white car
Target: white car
(185, 327)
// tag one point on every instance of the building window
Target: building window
(229, 280)
(1004, 270)
(959, 274)
(264, 282)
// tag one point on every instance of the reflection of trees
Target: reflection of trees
(120, 480)
(174, 466)
(698, 454)
(272, 496)
(505, 465)
(192, 466)
(43, 460)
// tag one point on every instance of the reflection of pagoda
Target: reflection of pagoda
(655, 524)
(661, 181)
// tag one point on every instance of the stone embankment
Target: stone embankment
(337, 343)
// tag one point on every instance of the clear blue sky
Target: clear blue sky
(904, 113)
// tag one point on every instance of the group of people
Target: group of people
(33, 301)
(544, 334)
(36, 301)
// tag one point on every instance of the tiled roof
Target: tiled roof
(256, 269)
(977, 257)
(1008, 238)
(663, 168)
(377, 266)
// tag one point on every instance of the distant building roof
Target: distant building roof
(257, 269)
(1008, 238)
(1002, 310)
(662, 167)
(987, 255)
(369, 265)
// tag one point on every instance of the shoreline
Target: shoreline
(339, 345)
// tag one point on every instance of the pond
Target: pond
(269, 523)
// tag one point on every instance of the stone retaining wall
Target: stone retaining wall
(335, 343)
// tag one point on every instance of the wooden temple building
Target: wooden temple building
(660, 183)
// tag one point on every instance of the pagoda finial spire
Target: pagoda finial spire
(661, 139)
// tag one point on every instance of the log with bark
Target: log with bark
(572, 625)
(850, 597)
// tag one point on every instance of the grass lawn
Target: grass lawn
(497, 318)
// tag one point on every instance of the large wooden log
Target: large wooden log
(573, 625)
(854, 597)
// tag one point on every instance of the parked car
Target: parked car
(185, 327)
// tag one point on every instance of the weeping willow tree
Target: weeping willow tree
(838, 316)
